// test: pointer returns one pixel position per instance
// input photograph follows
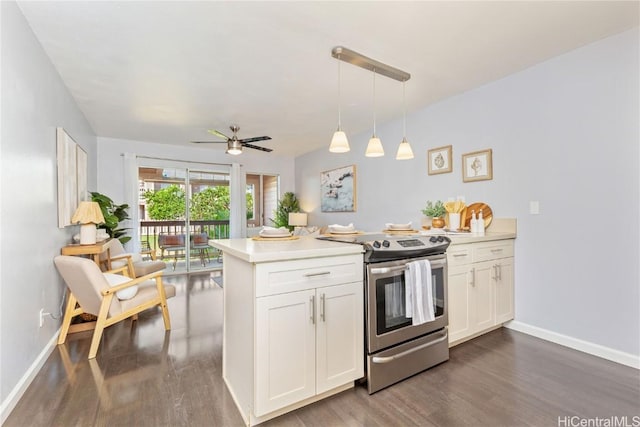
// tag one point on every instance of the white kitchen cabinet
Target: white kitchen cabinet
(293, 331)
(480, 288)
(307, 343)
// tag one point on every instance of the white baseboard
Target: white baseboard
(12, 399)
(617, 356)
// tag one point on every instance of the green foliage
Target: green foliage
(113, 216)
(434, 210)
(288, 203)
(212, 203)
(166, 204)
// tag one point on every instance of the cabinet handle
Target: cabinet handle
(459, 255)
(321, 273)
(322, 307)
(499, 270)
(473, 277)
(496, 251)
(494, 267)
(312, 303)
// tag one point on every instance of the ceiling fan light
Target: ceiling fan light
(234, 147)
(374, 148)
(339, 142)
(404, 150)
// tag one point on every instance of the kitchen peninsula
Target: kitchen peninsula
(293, 331)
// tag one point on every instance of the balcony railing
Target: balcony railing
(150, 230)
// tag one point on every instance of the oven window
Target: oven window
(391, 304)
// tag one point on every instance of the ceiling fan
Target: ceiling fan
(234, 145)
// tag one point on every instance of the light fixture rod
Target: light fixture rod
(352, 57)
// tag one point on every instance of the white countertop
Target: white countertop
(266, 251)
(256, 251)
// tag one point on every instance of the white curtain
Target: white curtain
(131, 198)
(238, 189)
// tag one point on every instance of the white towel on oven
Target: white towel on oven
(419, 292)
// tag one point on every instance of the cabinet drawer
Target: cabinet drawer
(288, 276)
(492, 250)
(459, 254)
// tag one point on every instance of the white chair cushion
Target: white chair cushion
(117, 279)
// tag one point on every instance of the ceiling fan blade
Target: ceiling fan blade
(209, 142)
(255, 139)
(255, 147)
(218, 133)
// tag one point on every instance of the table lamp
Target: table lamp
(88, 215)
(298, 219)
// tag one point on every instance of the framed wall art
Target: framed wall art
(67, 180)
(439, 160)
(477, 166)
(81, 174)
(338, 190)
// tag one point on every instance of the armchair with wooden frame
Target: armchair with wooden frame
(94, 292)
(119, 257)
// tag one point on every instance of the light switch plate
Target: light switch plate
(534, 207)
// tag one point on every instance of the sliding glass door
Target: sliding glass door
(179, 210)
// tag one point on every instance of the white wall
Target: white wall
(34, 103)
(564, 133)
(110, 162)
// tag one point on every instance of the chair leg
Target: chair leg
(100, 325)
(68, 315)
(163, 303)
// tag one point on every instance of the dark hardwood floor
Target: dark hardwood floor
(146, 377)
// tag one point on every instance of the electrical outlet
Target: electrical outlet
(41, 317)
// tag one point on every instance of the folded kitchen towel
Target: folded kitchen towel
(419, 292)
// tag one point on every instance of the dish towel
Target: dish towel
(419, 292)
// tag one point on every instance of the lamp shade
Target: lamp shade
(88, 213)
(339, 142)
(298, 219)
(404, 150)
(374, 148)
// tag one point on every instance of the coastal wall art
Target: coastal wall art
(338, 190)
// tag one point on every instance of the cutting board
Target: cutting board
(487, 214)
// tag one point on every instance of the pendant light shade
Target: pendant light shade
(339, 142)
(404, 149)
(374, 148)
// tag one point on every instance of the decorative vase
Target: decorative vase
(437, 222)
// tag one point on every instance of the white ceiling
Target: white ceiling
(168, 71)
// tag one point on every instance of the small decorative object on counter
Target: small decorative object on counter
(436, 211)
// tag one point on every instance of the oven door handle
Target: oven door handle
(383, 270)
(388, 359)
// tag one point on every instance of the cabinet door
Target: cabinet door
(504, 290)
(285, 350)
(340, 335)
(460, 302)
(483, 283)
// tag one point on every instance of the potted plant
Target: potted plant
(113, 216)
(436, 211)
(288, 203)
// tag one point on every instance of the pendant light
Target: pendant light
(374, 147)
(339, 142)
(404, 149)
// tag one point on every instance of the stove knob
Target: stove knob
(440, 239)
(433, 239)
(385, 243)
(376, 244)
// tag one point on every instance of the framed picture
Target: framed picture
(338, 190)
(81, 174)
(67, 177)
(477, 166)
(439, 160)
